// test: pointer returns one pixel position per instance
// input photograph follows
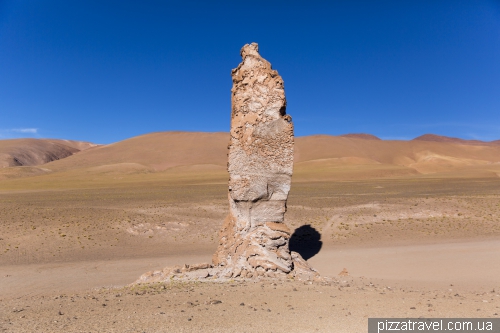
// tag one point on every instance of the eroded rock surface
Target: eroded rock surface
(254, 238)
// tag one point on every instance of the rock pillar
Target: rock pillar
(254, 239)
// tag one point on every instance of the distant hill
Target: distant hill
(420, 156)
(195, 155)
(361, 136)
(153, 151)
(440, 138)
(172, 150)
(32, 152)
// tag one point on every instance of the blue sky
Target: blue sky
(104, 71)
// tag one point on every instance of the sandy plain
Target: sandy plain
(414, 244)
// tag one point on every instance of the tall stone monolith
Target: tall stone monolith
(254, 239)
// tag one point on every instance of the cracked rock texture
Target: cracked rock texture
(254, 239)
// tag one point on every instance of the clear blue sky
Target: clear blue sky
(104, 71)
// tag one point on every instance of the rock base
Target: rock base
(207, 272)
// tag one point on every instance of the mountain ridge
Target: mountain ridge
(442, 138)
(316, 157)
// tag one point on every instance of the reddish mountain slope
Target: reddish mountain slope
(360, 136)
(31, 152)
(440, 138)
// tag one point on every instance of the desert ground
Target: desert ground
(398, 228)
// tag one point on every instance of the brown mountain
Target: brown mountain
(314, 155)
(440, 138)
(361, 136)
(153, 151)
(203, 157)
(31, 152)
